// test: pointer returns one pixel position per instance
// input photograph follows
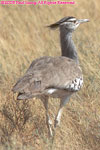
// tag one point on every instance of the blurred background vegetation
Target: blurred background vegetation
(23, 38)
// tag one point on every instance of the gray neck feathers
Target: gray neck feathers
(67, 45)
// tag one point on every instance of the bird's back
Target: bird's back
(47, 75)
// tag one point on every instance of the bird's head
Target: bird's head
(68, 23)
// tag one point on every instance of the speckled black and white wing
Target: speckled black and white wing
(48, 74)
(75, 84)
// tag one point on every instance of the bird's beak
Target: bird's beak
(83, 20)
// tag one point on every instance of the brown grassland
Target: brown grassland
(23, 38)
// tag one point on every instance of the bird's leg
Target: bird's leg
(58, 117)
(48, 121)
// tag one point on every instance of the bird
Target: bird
(56, 77)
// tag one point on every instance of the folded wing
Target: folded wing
(46, 73)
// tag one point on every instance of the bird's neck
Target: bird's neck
(68, 48)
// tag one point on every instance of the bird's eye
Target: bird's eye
(75, 21)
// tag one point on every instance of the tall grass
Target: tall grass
(24, 37)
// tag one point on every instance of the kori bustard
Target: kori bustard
(57, 77)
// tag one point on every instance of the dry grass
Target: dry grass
(23, 37)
